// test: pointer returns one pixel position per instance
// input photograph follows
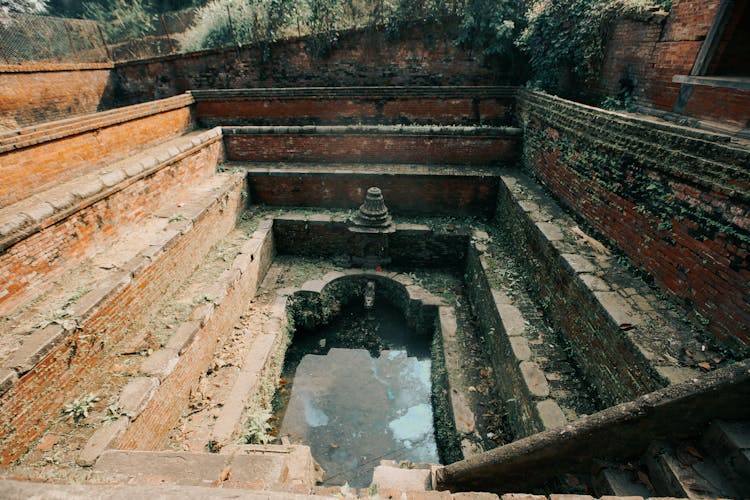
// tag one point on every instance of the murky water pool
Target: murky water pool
(358, 391)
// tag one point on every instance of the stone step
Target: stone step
(680, 473)
(728, 442)
(404, 476)
(256, 467)
(619, 481)
(100, 300)
(408, 188)
(50, 232)
(374, 144)
(170, 331)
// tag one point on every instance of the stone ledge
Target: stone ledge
(403, 130)
(50, 131)
(38, 343)
(31, 215)
(395, 92)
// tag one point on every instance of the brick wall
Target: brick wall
(677, 205)
(76, 366)
(421, 56)
(405, 194)
(409, 245)
(376, 147)
(35, 159)
(36, 93)
(351, 105)
(652, 49)
(30, 266)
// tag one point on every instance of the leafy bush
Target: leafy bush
(491, 26)
(565, 39)
(121, 19)
(224, 23)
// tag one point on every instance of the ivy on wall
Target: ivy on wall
(565, 39)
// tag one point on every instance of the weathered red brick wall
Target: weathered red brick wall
(677, 206)
(37, 159)
(372, 148)
(453, 195)
(652, 49)
(30, 266)
(78, 365)
(36, 93)
(366, 105)
(421, 56)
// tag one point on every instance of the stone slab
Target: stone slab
(521, 349)
(101, 441)
(22, 490)
(534, 378)
(183, 337)
(171, 466)
(35, 347)
(160, 364)
(578, 263)
(246, 384)
(136, 394)
(513, 321)
(403, 479)
(616, 307)
(550, 414)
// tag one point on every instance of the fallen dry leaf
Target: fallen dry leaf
(705, 366)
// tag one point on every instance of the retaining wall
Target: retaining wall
(676, 201)
(36, 158)
(352, 105)
(41, 92)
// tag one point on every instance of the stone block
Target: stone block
(242, 262)
(513, 321)
(35, 347)
(251, 246)
(521, 349)
(522, 496)
(472, 495)
(315, 286)
(230, 277)
(7, 379)
(578, 263)
(550, 414)
(87, 188)
(594, 283)
(160, 364)
(550, 231)
(136, 395)
(112, 178)
(60, 200)
(616, 307)
(12, 222)
(176, 467)
(571, 497)
(534, 379)
(136, 265)
(403, 479)
(39, 211)
(132, 169)
(183, 337)
(101, 440)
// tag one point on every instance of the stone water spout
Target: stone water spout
(370, 295)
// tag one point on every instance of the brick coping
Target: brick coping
(400, 130)
(50, 131)
(395, 92)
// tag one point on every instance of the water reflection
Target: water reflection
(355, 407)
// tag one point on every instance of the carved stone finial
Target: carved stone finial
(373, 213)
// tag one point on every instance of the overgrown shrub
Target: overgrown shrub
(224, 23)
(565, 39)
(121, 19)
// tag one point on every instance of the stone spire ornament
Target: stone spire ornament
(373, 214)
